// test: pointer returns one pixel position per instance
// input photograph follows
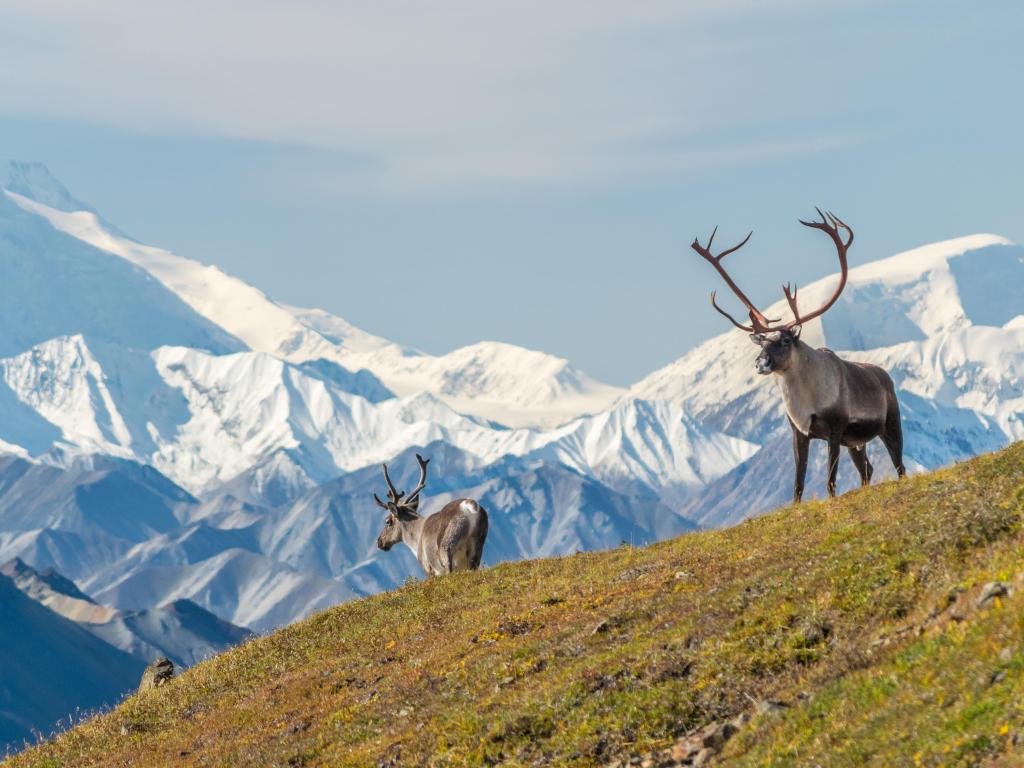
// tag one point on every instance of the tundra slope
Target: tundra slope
(861, 615)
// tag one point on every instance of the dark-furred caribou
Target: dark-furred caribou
(827, 398)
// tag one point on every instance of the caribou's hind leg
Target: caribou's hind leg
(861, 462)
(892, 436)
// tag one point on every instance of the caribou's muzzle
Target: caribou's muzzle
(383, 546)
(764, 365)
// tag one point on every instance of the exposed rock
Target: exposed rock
(700, 747)
(156, 674)
(815, 632)
(991, 591)
(630, 574)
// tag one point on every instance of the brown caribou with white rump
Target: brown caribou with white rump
(447, 541)
(827, 398)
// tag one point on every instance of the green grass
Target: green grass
(577, 660)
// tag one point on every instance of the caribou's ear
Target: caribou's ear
(795, 330)
(408, 511)
(757, 338)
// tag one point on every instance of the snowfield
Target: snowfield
(249, 433)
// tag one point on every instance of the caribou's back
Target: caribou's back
(867, 388)
(455, 536)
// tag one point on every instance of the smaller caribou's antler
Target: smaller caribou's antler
(395, 497)
(414, 494)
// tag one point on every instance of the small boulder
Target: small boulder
(157, 674)
(991, 591)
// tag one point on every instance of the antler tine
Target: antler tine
(791, 299)
(380, 503)
(823, 224)
(735, 248)
(729, 317)
(393, 494)
(422, 482)
(840, 223)
(759, 323)
(704, 250)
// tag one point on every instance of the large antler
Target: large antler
(759, 323)
(830, 224)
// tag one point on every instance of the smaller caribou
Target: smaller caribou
(447, 541)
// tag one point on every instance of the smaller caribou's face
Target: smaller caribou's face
(777, 350)
(391, 533)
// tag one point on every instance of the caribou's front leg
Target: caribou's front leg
(801, 442)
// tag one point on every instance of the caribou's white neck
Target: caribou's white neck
(412, 532)
(808, 385)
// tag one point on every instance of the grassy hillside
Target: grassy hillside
(859, 616)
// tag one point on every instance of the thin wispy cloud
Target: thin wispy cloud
(442, 93)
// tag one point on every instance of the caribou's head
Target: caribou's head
(401, 509)
(777, 350)
(778, 341)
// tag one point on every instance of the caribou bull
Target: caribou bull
(827, 398)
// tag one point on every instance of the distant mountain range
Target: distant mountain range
(184, 450)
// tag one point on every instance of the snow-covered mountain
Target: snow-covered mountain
(501, 382)
(181, 436)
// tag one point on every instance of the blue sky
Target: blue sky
(529, 172)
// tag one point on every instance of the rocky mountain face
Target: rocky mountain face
(63, 653)
(50, 668)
